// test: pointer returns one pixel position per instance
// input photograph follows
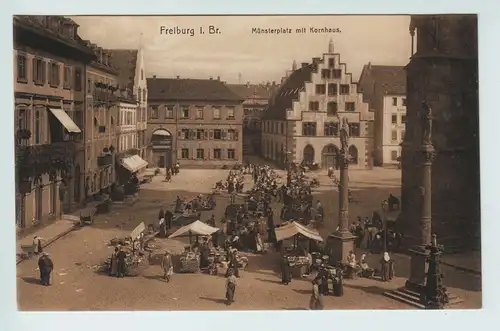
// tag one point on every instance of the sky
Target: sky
(237, 55)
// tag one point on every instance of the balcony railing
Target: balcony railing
(105, 160)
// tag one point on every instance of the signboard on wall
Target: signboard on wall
(165, 143)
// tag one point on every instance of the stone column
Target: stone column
(342, 241)
(419, 252)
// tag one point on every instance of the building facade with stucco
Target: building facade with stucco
(303, 118)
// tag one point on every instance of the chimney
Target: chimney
(274, 83)
(211, 78)
(294, 65)
(304, 64)
(316, 60)
(218, 78)
(154, 76)
(178, 77)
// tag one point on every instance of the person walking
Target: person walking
(120, 265)
(166, 265)
(45, 265)
(316, 302)
(230, 287)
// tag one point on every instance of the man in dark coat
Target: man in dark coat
(168, 219)
(45, 265)
(286, 271)
(120, 266)
(161, 214)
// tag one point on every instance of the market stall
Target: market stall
(190, 259)
(291, 236)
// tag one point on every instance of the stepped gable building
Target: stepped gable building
(132, 96)
(49, 95)
(101, 122)
(196, 122)
(384, 88)
(443, 72)
(301, 123)
(256, 101)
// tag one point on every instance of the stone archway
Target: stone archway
(308, 154)
(162, 151)
(353, 153)
(330, 156)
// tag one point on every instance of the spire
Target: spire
(330, 46)
(140, 40)
(294, 65)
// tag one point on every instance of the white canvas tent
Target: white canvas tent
(196, 228)
(294, 228)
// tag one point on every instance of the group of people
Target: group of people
(372, 234)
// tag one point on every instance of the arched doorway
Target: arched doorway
(308, 155)
(353, 153)
(330, 157)
(161, 142)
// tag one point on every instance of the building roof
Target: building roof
(391, 80)
(288, 93)
(183, 89)
(253, 91)
(125, 61)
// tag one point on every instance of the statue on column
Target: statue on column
(426, 123)
(344, 136)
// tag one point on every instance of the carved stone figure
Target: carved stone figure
(426, 123)
(344, 136)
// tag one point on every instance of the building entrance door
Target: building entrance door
(161, 161)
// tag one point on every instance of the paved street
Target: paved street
(77, 286)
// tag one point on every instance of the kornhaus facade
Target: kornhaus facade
(256, 101)
(196, 122)
(100, 123)
(131, 113)
(49, 89)
(302, 121)
(384, 89)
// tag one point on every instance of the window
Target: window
(54, 77)
(67, 77)
(344, 89)
(153, 111)
(230, 112)
(350, 106)
(394, 101)
(331, 62)
(200, 153)
(216, 113)
(394, 155)
(403, 119)
(185, 153)
(37, 127)
(394, 119)
(22, 70)
(320, 89)
(402, 134)
(331, 129)
(394, 136)
(326, 74)
(309, 129)
(142, 74)
(185, 112)
(331, 108)
(169, 112)
(282, 128)
(199, 112)
(78, 79)
(354, 130)
(89, 86)
(38, 71)
(139, 94)
(217, 134)
(337, 73)
(22, 119)
(404, 101)
(217, 153)
(185, 134)
(313, 106)
(231, 154)
(144, 95)
(332, 89)
(200, 134)
(231, 134)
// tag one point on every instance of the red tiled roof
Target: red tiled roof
(388, 79)
(190, 89)
(288, 93)
(125, 61)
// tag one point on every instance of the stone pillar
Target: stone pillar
(342, 241)
(419, 252)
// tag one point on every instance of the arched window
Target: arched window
(353, 153)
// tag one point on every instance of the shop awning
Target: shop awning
(162, 132)
(294, 228)
(196, 228)
(65, 120)
(134, 163)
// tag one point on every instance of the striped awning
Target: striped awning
(65, 120)
(134, 163)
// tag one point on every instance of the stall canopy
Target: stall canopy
(195, 228)
(65, 120)
(294, 228)
(134, 163)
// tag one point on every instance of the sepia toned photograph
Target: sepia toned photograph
(303, 162)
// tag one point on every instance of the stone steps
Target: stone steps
(412, 298)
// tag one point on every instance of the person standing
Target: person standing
(161, 214)
(230, 287)
(316, 302)
(286, 271)
(37, 244)
(45, 265)
(120, 263)
(387, 267)
(113, 267)
(166, 265)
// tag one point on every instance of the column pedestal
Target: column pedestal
(341, 243)
(418, 269)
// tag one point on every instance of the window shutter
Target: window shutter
(211, 134)
(179, 134)
(205, 134)
(223, 154)
(44, 71)
(33, 68)
(236, 135)
(224, 134)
